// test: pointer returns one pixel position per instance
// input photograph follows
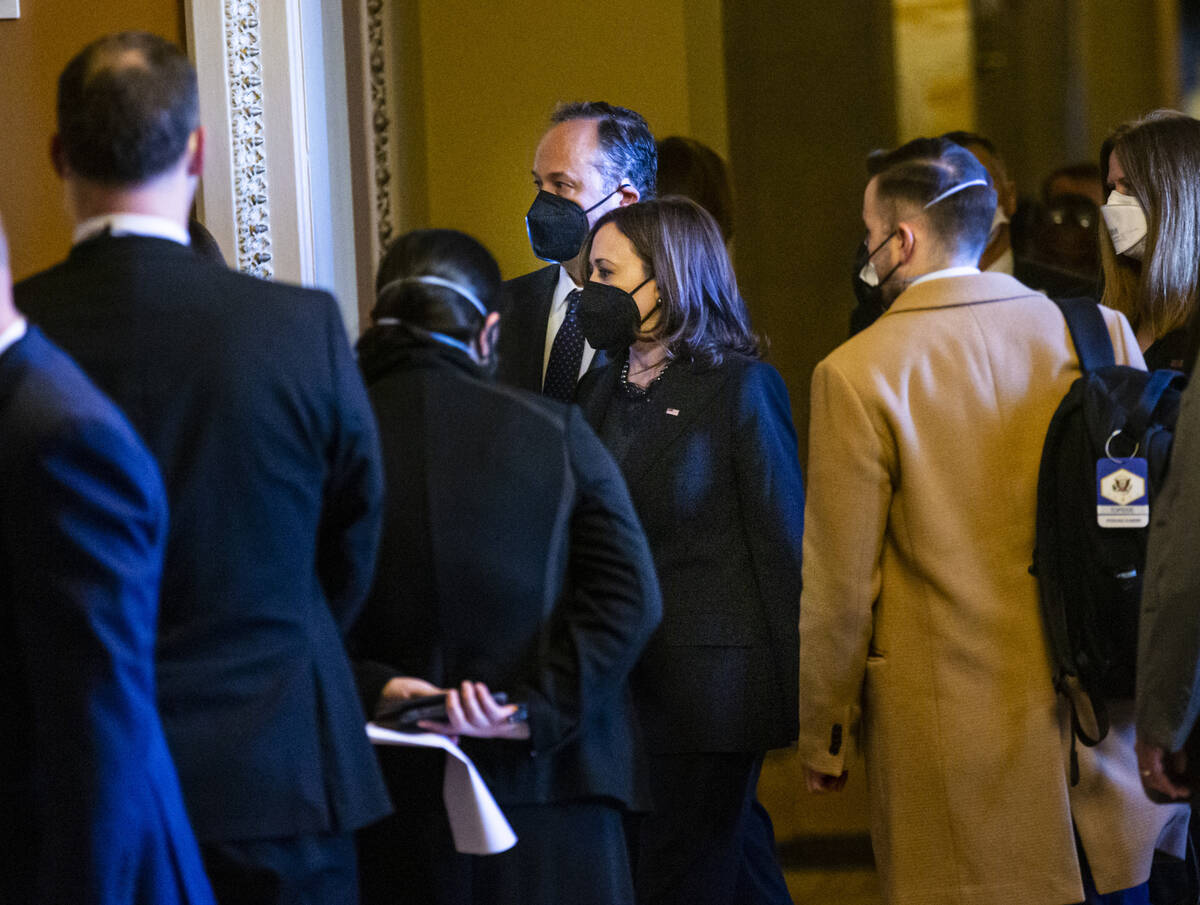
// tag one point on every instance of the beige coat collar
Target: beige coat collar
(969, 289)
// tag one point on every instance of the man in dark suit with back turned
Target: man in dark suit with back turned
(247, 394)
(90, 808)
(594, 157)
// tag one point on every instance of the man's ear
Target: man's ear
(195, 165)
(58, 159)
(490, 334)
(908, 240)
(629, 194)
(1006, 197)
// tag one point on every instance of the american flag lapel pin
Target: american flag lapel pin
(672, 411)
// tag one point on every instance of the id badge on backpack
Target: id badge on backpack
(1122, 493)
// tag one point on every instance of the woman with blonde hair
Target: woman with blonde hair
(1150, 252)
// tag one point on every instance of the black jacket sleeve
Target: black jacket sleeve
(352, 514)
(612, 604)
(771, 492)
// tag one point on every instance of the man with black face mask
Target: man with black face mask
(595, 157)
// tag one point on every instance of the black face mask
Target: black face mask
(609, 316)
(870, 298)
(557, 226)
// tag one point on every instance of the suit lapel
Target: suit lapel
(683, 395)
(595, 404)
(533, 313)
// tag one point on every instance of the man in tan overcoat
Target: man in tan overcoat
(921, 636)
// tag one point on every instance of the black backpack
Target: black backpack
(1091, 577)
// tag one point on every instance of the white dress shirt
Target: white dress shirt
(14, 333)
(120, 224)
(558, 313)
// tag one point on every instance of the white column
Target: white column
(276, 189)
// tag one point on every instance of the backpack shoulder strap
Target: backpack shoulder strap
(1088, 332)
(1143, 413)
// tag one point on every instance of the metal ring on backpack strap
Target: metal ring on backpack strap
(1136, 447)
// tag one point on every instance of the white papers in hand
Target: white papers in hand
(476, 821)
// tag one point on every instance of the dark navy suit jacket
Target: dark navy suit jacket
(90, 807)
(248, 396)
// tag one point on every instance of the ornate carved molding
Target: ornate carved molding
(378, 86)
(243, 55)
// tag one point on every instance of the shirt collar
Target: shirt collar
(122, 224)
(564, 287)
(13, 334)
(946, 272)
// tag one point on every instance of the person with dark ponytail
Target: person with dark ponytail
(511, 561)
(434, 288)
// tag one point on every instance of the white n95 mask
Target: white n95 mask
(998, 220)
(1126, 222)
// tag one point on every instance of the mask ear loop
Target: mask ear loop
(657, 304)
(433, 280)
(871, 254)
(429, 279)
(954, 190)
(890, 273)
(623, 185)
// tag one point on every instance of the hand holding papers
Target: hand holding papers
(478, 825)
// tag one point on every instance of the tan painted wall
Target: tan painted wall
(935, 66)
(809, 94)
(1115, 30)
(33, 50)
(491, 72)
(1054, 77)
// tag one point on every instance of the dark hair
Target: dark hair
(127, 105)
(1160, 154)
(625, 140)
(687, 167)
(703, 315)
(444, 253)
(1076, 171)
(971, 140)
(965, 139)
(916, 173)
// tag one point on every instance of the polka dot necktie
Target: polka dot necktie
(566, 355)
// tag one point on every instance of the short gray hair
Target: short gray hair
(625, 141)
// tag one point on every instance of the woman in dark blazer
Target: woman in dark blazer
(512, 560)
(702, 431)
